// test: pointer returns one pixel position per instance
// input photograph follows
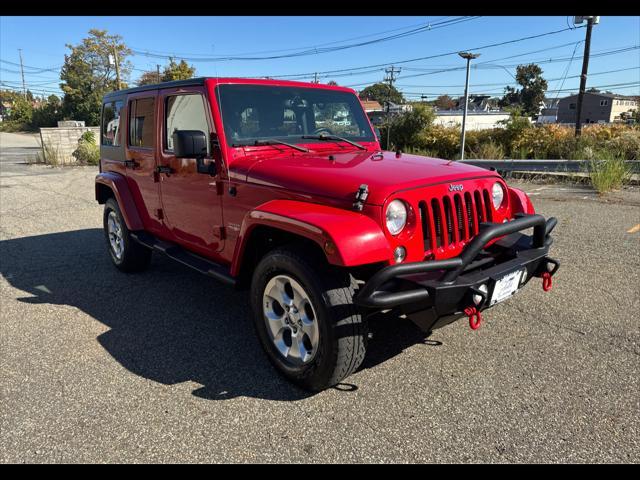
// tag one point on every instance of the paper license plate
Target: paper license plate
(506, 287)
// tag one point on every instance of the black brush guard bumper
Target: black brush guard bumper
(434, 293)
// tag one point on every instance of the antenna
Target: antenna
(218, 92)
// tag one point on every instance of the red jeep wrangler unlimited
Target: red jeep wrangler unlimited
(282, 187)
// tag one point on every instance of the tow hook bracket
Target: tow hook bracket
(475, 317)
(551, 268)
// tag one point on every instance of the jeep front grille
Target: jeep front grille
(453, 219)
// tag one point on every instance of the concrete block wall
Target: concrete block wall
(64, 140)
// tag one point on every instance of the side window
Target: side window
(604, 103)
(111, 124)
(184, 112)
(142, 123)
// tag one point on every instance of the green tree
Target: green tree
(530, 96)
(445, 102)
(333, 83)
(178, 71)
(148, 78)
(48, 113)
(22, 110)
(406, 127)
(89, 73)
(382, 93)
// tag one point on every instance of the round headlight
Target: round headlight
(497, 195)
(396, 217)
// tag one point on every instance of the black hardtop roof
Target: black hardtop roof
(155, 86)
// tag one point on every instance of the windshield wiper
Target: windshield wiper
(271, 141)
(334, 137)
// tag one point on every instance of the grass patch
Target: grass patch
(49, 155)
(608, 171)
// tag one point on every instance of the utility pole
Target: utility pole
(24, 88)
(585, 67)
(117, 62)
(390, 77)
(315, 77)
(468, 57)
(158, 71)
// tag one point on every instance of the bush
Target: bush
(14, 126)
(490, 150)
(406, 128)
(88, 152)
(627, 143)
(444, 142)
(46, 116)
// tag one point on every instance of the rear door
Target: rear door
(190, 200)
(142, 146)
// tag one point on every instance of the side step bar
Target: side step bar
(176, 252)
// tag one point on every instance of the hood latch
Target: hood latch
(361, 197)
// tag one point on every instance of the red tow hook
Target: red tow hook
(475, 317)
(547, 283)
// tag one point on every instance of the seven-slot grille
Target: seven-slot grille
(453, 219)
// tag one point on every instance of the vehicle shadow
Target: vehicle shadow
(168, 324)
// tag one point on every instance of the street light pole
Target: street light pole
(468, 56)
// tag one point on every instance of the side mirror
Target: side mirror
(189, 144)
(193, 144)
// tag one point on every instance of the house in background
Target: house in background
(597, 108)
(374, 111)
(548, 111)
(476, 120)
(478, 103)
(378, 113)
(482, 114)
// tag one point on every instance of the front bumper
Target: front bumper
(434, 293)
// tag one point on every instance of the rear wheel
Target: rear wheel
(126, 254)
(305, 318)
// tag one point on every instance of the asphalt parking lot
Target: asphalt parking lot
(99, 366)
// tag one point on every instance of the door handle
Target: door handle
(166, 169)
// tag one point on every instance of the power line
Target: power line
(315, 50)
(494, 65)
(440, 55)
(613, 85)
(502, 83)
(294, 48)
(566, 71)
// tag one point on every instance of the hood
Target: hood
(341, 176)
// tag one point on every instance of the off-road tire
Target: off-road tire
(343, 336)
(135, 257)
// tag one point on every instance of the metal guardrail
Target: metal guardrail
(561, 166)
(542, 166)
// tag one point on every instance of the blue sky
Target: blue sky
(43, 39)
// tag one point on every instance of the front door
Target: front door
(192, 210)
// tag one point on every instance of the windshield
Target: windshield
(256, 112)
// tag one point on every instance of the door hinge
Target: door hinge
(160, 214)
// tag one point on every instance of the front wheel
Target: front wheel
(305, 318)
(126, 254)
